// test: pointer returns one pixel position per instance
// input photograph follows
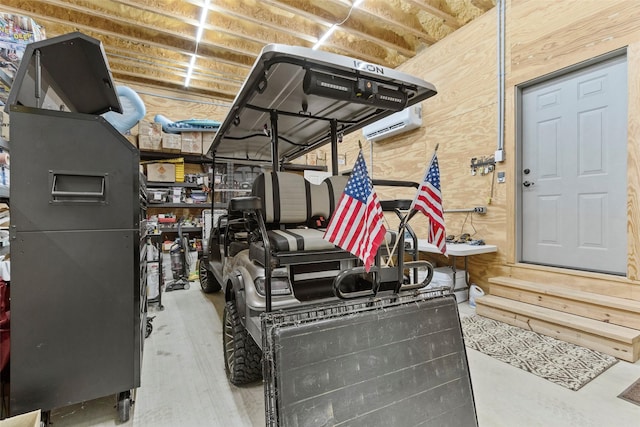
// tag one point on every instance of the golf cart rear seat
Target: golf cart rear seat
(295, 213)
(294, 210)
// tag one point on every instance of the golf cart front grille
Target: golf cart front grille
(314, 281)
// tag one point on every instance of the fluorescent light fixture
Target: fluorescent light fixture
(325, 37)
(356, 3)
(203, 18)
(187, 80)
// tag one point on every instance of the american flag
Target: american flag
(428, 200)
(357, 225)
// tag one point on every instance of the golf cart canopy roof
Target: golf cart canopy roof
(294, 96)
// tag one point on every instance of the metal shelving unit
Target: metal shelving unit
(180, 205)
(172, 184)
(188, 158)
(184, 229)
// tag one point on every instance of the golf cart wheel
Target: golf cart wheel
(208, 282)
(242, 356)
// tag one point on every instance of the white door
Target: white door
(574, 170)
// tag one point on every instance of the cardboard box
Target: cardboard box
(4, 127)
(171, 142)
(149, 143)
(133, 139)
(148, 128)
(161, 172)
(312, 159)
(4, 91)
(30, 419)
(207, 140)
(192, 142)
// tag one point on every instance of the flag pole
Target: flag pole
(385, 240)
(411, 213)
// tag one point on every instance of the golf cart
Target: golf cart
(293, 297)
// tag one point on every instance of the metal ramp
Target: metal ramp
(388, 361)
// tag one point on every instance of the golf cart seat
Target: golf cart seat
(296, 213)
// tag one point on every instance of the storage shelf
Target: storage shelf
(184, 229)
(173, 184)
(180, 205)
(188, 158)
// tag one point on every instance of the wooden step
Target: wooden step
(618, 311)
(618, 341)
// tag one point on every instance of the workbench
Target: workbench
(455, 250)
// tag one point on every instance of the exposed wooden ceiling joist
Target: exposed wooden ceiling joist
(151, 42)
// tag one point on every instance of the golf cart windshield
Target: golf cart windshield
(297, 99)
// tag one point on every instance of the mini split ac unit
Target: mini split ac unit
(397, 123)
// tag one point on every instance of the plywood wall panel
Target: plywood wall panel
(463, 71)
(587, 29)
(538, 19)
(542, 37)
(179, 105)
(633, 162)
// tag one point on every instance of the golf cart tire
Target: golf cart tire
(243, 357)
(208, 282)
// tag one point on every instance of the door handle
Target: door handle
(527, 183)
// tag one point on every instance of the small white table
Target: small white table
(457, 249)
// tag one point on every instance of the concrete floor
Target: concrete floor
(184, 383)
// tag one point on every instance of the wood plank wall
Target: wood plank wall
(180, 105)
(542, 37)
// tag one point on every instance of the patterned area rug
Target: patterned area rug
(632, 394)
(563, 363)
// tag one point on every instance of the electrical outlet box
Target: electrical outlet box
(480, 209)
(499, 155)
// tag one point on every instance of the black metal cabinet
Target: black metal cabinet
(78, 253)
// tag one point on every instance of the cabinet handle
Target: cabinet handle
(68, 181)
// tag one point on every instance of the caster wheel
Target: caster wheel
(149, 327)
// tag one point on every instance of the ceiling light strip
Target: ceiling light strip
(325, 37)
(331, 29)
(203, 19)
(187, 80)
